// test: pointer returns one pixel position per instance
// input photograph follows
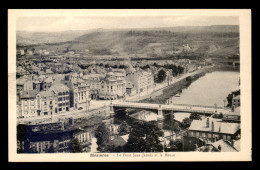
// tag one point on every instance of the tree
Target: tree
(180, 69)
(177, 128)
(186, 122)
(144, 137)
(75, 146)
(230, 97)
(161, 75)
(123, 128)
(102, 134)
(107, 66)
(195, 116)
(155, 65)
(122, 66)
(115, 66)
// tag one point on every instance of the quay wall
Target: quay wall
(162, 95)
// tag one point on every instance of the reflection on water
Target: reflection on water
(208, 90)
(145, 115)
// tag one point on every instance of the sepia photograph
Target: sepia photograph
(127, 85)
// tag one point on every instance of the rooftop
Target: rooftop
(58, 87)
(219, 126)
(117, 141)
(46, 93)
(225, 146)
(29, 94)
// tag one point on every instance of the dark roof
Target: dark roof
(29, 94)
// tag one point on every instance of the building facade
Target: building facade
(112, 88)
(34, 103)
(142, 80)
(213, 129)
(79, 92)
(63, 96)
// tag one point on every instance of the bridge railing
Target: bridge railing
(198, 106)
(188, 110)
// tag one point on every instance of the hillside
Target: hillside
(210, 40)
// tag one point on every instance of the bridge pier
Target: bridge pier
(111, 113)
(160, 113)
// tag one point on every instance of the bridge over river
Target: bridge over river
(209, 110)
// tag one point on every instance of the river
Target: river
(210, 89)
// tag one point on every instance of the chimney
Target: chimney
(212, 126)
(207, 122)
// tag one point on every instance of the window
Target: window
(203, 135)
(209, 135)
(216, 136)
(224, 137)
(190, 133)
(50, 102)
(197, 134)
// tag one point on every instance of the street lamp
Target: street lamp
(224, 103)
(216, 108)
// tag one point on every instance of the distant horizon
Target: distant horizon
(123, 28)
(62, 24)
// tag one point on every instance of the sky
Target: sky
(54, 24)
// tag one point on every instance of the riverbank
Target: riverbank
(161, 96)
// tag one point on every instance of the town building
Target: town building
(48, 102)
(84, 138)
(79, 92)
(142, 80)
(213, 129)
(220, 146)
(94, 81)
(130, 88)
(63, 94)
(34, 103)
(23, 84)
(232, 116)
(112, 88)
(46, 83)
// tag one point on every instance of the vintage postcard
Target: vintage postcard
(129, 85)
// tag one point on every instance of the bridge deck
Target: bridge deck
(173, 107)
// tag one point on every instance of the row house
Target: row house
(94, 81)
(63, 96)
(34, 103)
(142, 80)
(79, 92)
(213, 129)
(23, 84)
